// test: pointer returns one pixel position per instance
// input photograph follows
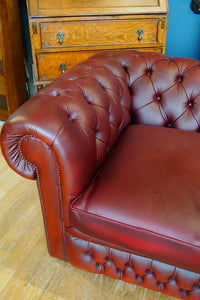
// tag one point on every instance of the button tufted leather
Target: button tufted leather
(133, 268)
(108, 89)
(64, 134)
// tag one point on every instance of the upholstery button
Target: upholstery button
(180, 78)
(128, 265)
(56, 93)
(149, 272)
(184, 293)
(125, 68)
(100, 267)
(139, 278)
(89, 255)
(190, 104)
(149, 72)
(196, 287)
(169, 125)
(158, 98)
(161, 285)
(120, 273)
(108, 260)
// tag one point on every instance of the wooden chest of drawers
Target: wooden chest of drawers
(66, 32)
(12, 71)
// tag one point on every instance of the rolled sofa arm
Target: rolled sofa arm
(45, 125)
(40, 142)
(61, 137)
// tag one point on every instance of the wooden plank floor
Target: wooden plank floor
(26, 269)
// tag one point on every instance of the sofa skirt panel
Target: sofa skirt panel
(132, 268)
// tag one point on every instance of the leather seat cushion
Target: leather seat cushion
(146, 198)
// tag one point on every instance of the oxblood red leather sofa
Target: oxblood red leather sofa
(114, 146)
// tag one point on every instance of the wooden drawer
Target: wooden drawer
(88, 7)
(48, 64)
(89, 27)
(96, 33)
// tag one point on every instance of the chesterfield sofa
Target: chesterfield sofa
(114, 146)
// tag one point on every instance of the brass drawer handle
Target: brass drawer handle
(60, 36)
(140, 33)
(63, 66)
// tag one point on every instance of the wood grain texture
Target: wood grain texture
(26, 269)
(90, 7)
(48, 64)
(11, 56)
(92, 26)
(96, 33)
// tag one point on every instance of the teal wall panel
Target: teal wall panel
(183, 35)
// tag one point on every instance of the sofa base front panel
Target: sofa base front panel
(132, 268)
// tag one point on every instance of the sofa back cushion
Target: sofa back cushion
(164, 91)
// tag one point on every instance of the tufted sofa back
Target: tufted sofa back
(164, 91)
(123, 87)
(89, 107)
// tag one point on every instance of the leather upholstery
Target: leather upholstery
(133, 268)
(63, 135)
(119, 205)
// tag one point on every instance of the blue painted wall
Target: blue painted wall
(183, 37)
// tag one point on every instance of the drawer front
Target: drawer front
(49, 64)
(141, 32)
(89, 7)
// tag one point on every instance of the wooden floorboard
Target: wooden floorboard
(26, 269)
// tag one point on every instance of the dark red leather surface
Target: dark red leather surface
(147, 196)
(92, 104)
(133, 268)
(63, 135)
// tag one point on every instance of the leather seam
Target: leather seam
(131, 227)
